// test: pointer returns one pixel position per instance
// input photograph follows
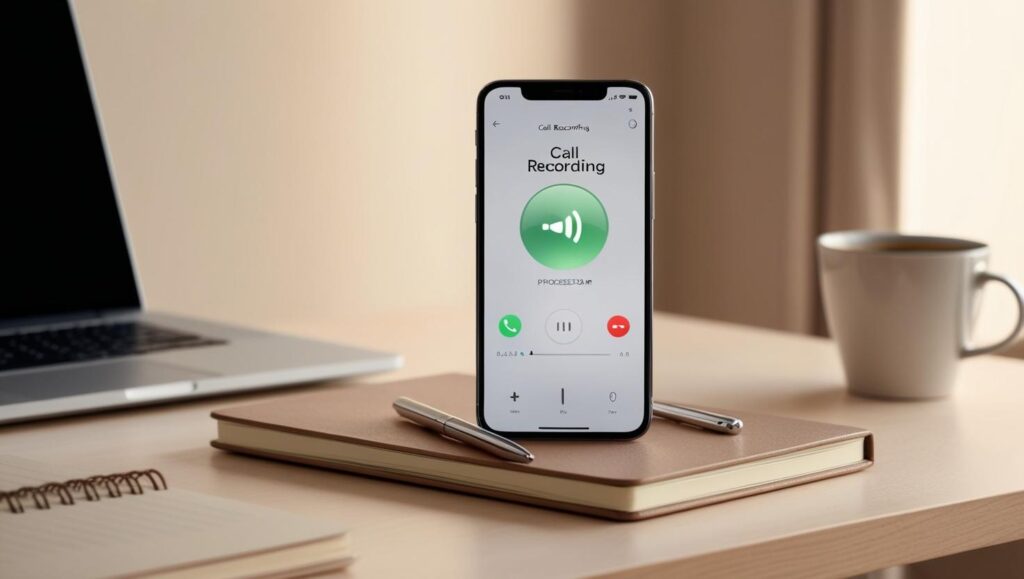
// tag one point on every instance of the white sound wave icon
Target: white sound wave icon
(566, 228)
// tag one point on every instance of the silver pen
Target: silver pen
(699, 418)
(459, 429)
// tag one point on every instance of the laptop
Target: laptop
(74, 335)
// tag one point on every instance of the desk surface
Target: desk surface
(949, 474)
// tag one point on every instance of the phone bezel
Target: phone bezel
(567, 90)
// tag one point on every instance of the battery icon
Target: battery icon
(632, 96)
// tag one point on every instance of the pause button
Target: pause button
(563, 326)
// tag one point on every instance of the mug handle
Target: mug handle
(983, 278)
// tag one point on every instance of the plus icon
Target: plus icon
(514, 397)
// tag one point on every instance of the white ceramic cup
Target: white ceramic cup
(902, 309)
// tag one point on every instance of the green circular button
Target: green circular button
(509, 325)
(564, 226)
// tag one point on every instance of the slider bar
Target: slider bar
(568, 354)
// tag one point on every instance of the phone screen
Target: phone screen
(564, 264)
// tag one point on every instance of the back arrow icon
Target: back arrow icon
(495, 124)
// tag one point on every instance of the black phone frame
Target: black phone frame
(567, 90)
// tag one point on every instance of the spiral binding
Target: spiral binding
(91, 488)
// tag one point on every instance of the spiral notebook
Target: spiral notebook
(64, 524)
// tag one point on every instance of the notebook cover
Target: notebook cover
(362, 414)
(152, 532)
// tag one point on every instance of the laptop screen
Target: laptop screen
(63, 245)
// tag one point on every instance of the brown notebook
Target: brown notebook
(669, 469)
(60, 523)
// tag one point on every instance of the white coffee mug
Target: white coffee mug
(902, 309)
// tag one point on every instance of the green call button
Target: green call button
(509, 325)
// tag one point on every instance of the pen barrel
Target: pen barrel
(471, 434)
(426, 416)
(698, 418)
(460, 430)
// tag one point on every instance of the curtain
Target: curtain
(775, 122)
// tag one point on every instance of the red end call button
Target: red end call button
(618, 326)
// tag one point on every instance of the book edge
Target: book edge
(850, 434)
(547, 503)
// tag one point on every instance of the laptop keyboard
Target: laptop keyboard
(92, 342)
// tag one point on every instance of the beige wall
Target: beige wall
(281, 161)
(964, 134)
(736, 109)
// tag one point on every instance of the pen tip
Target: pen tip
(522, 457)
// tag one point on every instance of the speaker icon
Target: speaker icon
(566, 227)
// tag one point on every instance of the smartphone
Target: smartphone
(564, 210)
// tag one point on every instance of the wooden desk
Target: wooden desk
(949, 474)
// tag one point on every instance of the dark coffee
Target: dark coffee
(910, 246)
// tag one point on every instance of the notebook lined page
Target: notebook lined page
(135, 533)
(17, 472)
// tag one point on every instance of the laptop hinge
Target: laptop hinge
(41, 323)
